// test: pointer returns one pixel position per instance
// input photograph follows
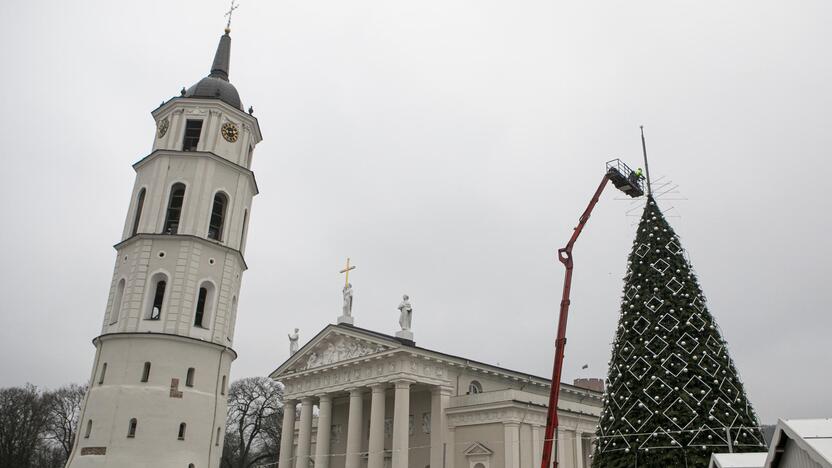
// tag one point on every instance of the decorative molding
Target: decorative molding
(341, 348)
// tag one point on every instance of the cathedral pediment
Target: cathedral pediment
(332, 346)
(477, 448)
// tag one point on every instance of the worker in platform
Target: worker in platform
(639, 174)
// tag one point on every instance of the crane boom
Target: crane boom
(565, 257)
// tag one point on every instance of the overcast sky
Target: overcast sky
(448, 147)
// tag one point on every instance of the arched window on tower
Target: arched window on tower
(146, 372)
(116, 308)
(139, 205)
(189, 377)
(131, 429)
(219, 433)
(182, 427)
(159, 284)
(174, 213)
(89, 429)
(204, 302)
(217, 216)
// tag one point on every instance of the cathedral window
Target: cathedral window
(158, 299)
(182, 427)
(116, 309)
(217, 217)
(146, 372)
(89, 429)
(474, 387)
(138, 216)
(131, 429)
(189, 378)
(102, 374)
(174, 213)
(193, 128)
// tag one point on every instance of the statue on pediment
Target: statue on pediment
(293, 342)
(405, 313)
(347, 308)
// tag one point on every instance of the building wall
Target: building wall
(157, 407)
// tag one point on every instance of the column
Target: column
(375, 459)
(354, 430)
(287, 439)
(512, 444)
(450, 451)
(401, 425)
(526, 450)
(579, 450)
(537, 445)
(304, 433)
(324, 424)
(438, 425)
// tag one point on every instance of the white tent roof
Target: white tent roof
(738, 460)
(814, 436)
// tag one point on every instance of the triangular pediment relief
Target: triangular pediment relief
(477, 448)
(332, 346)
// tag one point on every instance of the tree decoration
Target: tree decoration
(681, 391)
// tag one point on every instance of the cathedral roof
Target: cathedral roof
(216, 84)
(295, 362)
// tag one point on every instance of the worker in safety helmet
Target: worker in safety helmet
(639, 173)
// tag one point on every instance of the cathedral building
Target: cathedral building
(382, 401)
(157, 393)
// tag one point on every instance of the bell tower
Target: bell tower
(157, 393)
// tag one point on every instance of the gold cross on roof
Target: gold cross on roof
(346, 270)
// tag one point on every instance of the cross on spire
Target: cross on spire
(230, 12)
(346, 270)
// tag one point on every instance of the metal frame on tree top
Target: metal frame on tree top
(629, 182)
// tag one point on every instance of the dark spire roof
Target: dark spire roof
(222, 59)
(216, 84)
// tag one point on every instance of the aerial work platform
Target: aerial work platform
(624, 178)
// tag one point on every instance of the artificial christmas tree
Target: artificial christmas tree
(673, 394)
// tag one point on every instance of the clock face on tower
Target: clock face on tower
(162, 127)
(230, 132)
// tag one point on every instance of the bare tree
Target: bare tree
(255, 412)
(64, 407)
(23, 418)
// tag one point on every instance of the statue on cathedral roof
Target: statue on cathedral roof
(405, 313)
(347, 309)
(293, 342)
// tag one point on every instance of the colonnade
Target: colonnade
(355, 436)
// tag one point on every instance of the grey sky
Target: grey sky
(448, 147)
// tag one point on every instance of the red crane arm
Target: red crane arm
(565, 257)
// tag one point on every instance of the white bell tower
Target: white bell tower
(157, 394)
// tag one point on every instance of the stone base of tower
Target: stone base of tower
(154, 400)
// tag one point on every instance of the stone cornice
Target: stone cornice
(147, 235)
(363, 373)
(157, 336)
(202, 154)
(215, 104)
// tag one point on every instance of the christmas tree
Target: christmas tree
(673, 394)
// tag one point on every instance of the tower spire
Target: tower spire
(222, 59)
